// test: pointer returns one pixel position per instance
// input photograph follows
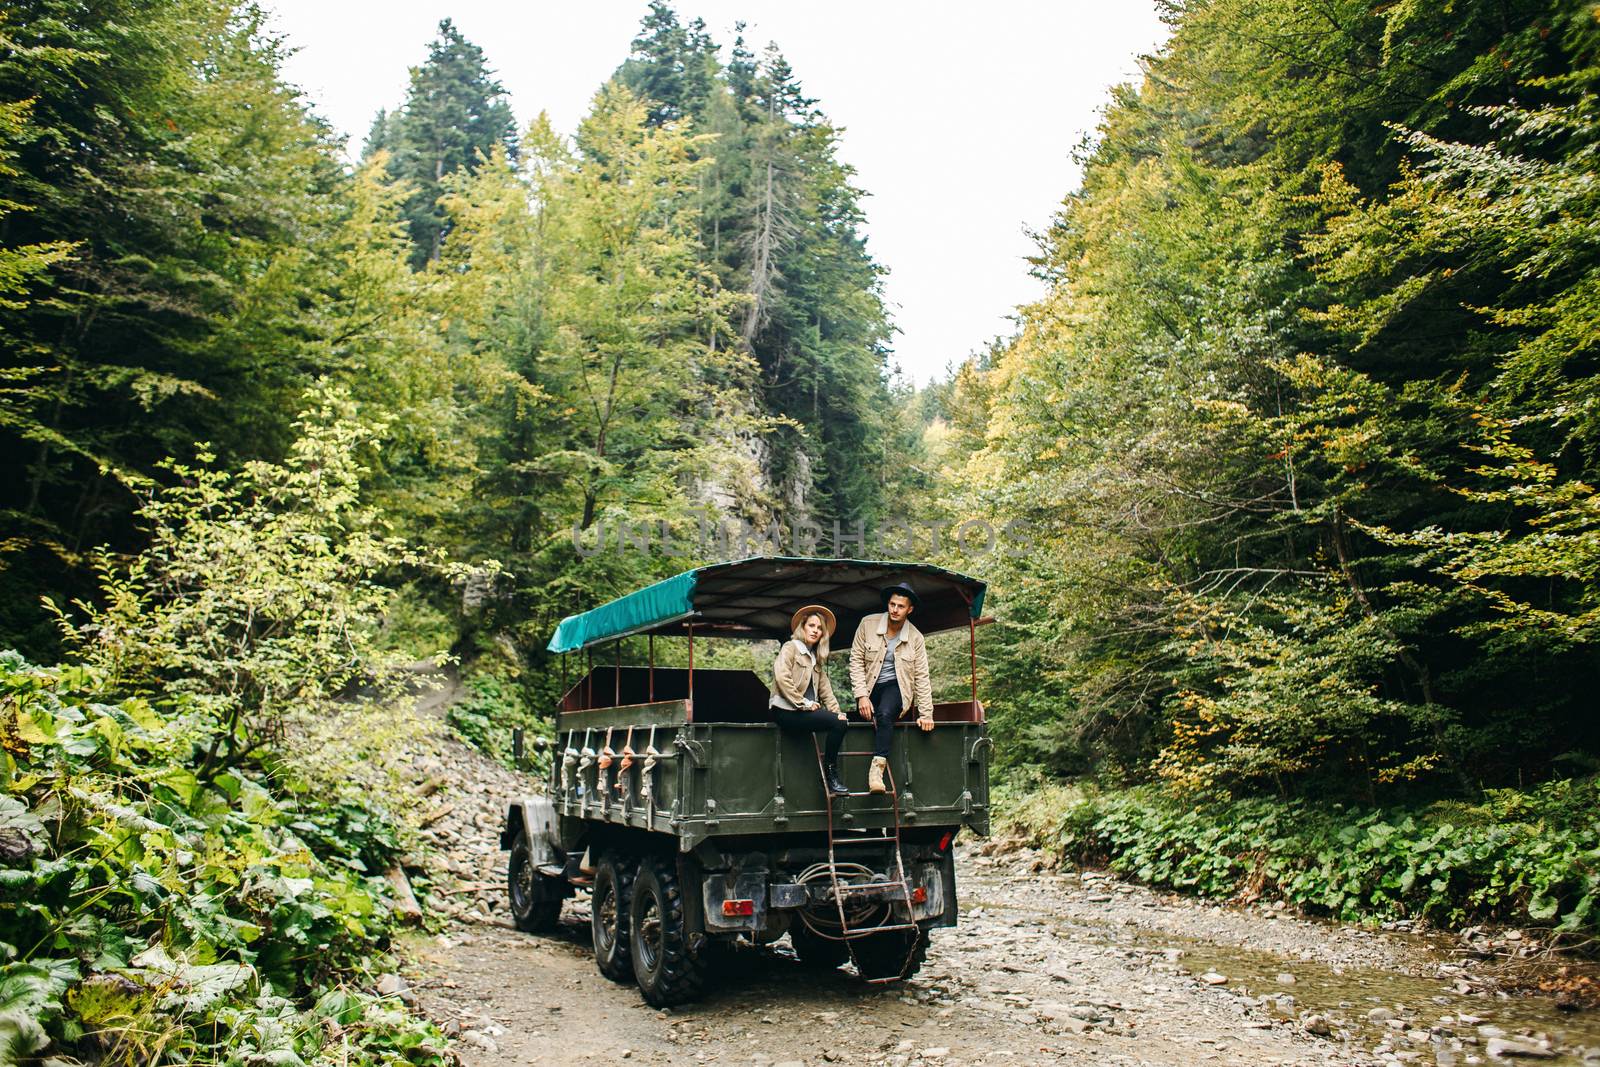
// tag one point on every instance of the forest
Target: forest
(1303, 432)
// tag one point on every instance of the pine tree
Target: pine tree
(455, 114)
(672, 66)
(779, 223)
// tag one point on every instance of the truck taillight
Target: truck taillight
(944, 842)
(738, 908)
(919, 895)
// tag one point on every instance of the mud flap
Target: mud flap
(690, 878)
(947, 876)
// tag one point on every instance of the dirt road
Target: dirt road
(1046, 967)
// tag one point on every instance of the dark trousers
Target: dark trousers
(821, 721)
(886, 708)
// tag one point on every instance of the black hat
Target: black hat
(900, 589)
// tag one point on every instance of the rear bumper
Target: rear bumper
(930, 885)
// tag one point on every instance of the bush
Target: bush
(190, 848)
(261, 598)
(150, 914)
(1518, 857)
(492, 708)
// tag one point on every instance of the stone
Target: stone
(479, 1039)
(1213, 978)
(1500, 1048)
(937, 1052)
(1285, 978)
(392, 985)
(1316, 1024)
(1379, 1015)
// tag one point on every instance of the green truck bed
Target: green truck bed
(715, 767)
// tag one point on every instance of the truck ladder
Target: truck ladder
(850, 934)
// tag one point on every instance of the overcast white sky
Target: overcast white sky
(959, 117)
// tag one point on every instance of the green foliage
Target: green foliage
(455, 115)
(1517, 857)
(152, 914)
(193, 191)
(491, 710)
(259, 597)
(191, 835)
(1303, 424)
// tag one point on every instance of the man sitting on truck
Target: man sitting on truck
(889, 674)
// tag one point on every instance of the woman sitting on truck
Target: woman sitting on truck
(802, 697)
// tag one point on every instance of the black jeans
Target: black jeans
(886, 709)
(821, 721)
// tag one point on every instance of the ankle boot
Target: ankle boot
(836, 785)
(875, 775)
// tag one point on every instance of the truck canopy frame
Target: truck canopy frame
(754, 599)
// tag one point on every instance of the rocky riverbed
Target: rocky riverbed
(1047, 966)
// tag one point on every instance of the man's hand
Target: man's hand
(925, 723)
(864, 707)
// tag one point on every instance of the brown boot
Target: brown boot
(875, 775)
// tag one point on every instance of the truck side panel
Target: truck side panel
(706, 780)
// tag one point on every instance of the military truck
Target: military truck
(692, 821)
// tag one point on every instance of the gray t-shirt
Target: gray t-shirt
(886, 672)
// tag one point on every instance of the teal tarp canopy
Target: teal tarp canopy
(641, 610)
(756, 598)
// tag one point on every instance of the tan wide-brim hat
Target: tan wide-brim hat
(829, 623)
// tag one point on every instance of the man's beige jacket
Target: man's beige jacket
(910, 663)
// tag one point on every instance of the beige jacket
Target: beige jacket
(910, 663)
(795, 668)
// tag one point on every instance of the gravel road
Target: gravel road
(1046, 967)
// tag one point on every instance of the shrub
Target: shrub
(491, 709)
(150, 913)
(190, 844)
(1522, 857)
(260, 599)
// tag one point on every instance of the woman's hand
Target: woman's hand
(925, 723)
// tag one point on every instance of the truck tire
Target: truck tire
(608, 918)
(891, 954)
(667, 972)
(815, 951)
(535, 902)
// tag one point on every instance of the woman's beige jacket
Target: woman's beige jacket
(795, 668)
